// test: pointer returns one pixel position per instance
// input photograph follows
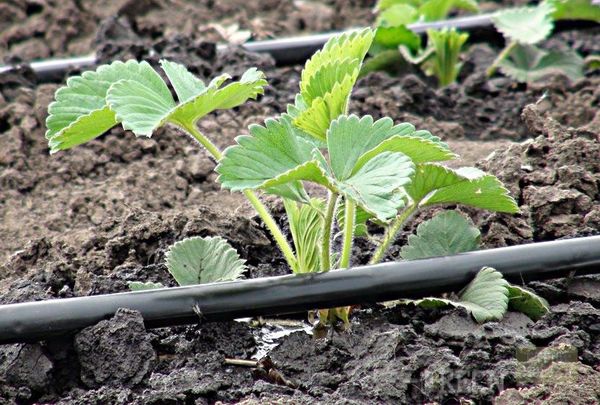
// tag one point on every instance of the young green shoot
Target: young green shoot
(441, 58)
(392, 32)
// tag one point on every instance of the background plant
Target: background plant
(441, 58)
(525, 27)
(392, 32)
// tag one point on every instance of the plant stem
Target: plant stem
(265, 215)
(326, 234)
(390, 234)
(349, 216)
(260, 208)
(202, 140)
(501, 56)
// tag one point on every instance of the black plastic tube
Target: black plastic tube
(285, 51)
(289, 294)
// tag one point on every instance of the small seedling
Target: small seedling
(521, 59)
(441, 58)
(392, 33)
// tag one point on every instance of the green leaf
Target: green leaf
(527, 302)
(375, 186)
(141, 105)
(318, 116)
(525, 25)
(271, 156)
(385, 4)
(526, 63)
(350, 137)
(327, 81)
(347, 46)
(389, 60)
(80, 112)
(201, 260)
(84, 129)
(433, 184)
(484, 191)
(186, 85)
(434, 10)
(397, 15)
(141, 286)
(575, 10)
(447, 233)
(419, 149)
(306, 223)
(146, 104)
(323, 80)
(486, 297)
(430, 177)
(250, 85)
(389, 38)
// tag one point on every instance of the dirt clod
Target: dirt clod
(115, 352)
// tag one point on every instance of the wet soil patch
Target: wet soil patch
(89, 220)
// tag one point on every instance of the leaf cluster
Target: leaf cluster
(380, 168)
(489, 295)
(525, 27)
(133, 94)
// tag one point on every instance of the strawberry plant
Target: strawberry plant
(523, 28)
(439, 58)
(373, 171)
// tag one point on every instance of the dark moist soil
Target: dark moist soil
(89, 220)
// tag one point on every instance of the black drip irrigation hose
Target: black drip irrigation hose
(33, 321)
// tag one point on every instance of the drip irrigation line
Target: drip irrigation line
(33, 321)
(285, 51)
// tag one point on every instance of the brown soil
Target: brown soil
(34, 29)
(89, 220)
